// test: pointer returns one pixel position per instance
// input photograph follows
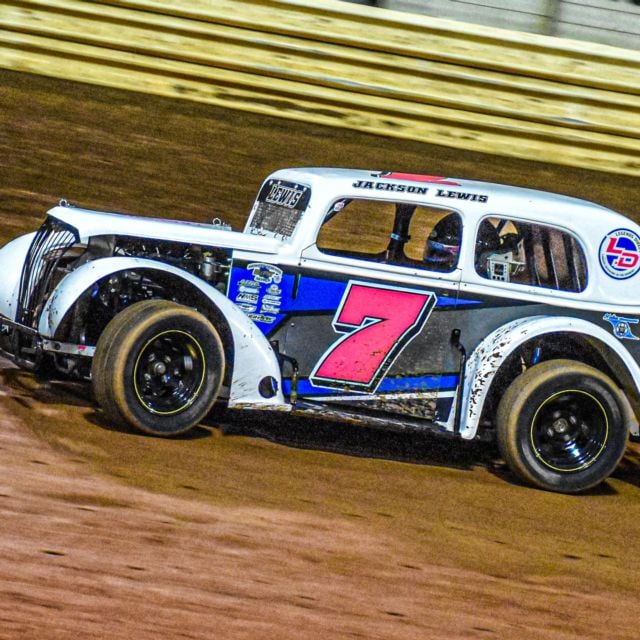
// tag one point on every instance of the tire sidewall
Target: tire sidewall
(204, 335)
(532, 397)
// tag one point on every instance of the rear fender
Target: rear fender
(491, 353)
(254, 357)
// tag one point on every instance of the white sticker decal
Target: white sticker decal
(620, 254)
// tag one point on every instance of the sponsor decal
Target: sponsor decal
(250, 287)
(247, 308)
(621, 326)
(259, 317)
(260, 298)
(247, 297)
(268, 308)
(285, 196)
(265, 273)
(620, 254)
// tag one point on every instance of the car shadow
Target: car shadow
(629, 469)
(353, 439)
(361, 440)
(306, 432)
(98, 419)
(296, 431)
(500, 470)
(316, 434)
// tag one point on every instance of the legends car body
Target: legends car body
(407, 301)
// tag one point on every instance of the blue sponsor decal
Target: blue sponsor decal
(621, 326)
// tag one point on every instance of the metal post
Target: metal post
(551, 17)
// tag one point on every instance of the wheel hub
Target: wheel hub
(560, 426)
(569, 430)
(158, 369)
(169, 372)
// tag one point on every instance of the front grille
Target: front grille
(37, 281)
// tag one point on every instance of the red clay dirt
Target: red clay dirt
(271, 527)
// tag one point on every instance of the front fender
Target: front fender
(491, 353)
(254, 357)
(12, 257)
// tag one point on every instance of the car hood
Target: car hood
(97, 223)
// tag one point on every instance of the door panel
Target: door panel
(367, 313)
(374, 341)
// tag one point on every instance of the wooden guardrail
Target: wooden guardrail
(613, 22)
(345, 65)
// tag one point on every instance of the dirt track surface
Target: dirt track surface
(271, 528)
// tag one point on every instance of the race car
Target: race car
(404, 301)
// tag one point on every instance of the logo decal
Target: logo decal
(260, 297)
(265, 273)
(620, 254)
(621, 326)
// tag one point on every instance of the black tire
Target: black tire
(158, 367)
(562, 426)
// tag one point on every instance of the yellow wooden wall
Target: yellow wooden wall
(345, 65)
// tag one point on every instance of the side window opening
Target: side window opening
(397, 233)
(531, 254)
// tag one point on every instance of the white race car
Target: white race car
(405, 301)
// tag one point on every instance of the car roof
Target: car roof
(491, 198)
(591, 223)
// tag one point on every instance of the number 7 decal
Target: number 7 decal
(379, 322)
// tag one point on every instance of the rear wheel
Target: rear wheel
(158, 367)
(562, 426)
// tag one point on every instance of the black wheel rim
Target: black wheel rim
(569, 431)
(169, 372)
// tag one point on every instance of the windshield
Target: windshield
(278, 208)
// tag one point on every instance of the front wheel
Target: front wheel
(561, 426)
(158, 367)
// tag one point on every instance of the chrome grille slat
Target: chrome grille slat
(40, 267)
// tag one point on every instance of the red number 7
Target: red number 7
(380, 321)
